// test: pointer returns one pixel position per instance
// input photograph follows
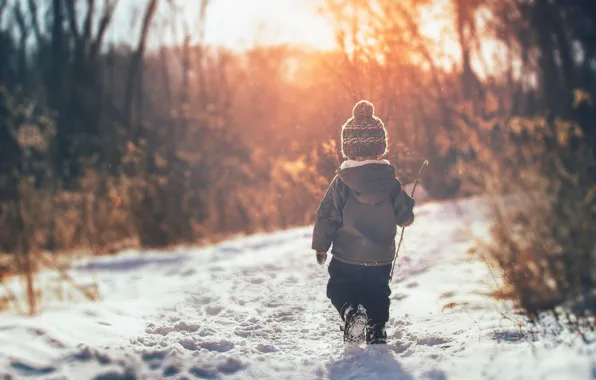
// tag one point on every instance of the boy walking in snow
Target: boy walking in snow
(359, 216)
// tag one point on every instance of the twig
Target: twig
(64, 275)
(403, 229)
(11, 296)
(519, 324)
(464, 308)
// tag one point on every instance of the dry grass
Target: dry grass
(541, 181)
(49, 229)
(43, 225)
(59, 287)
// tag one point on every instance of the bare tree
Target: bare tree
(33, 14)
(24, 36)
(135, 65)
(465, 20)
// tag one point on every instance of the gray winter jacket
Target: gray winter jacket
(359, 214)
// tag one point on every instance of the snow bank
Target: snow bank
(421, 195)
(255, 308)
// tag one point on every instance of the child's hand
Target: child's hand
(321, 257)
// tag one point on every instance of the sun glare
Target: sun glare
(437, 25)
(239, 24)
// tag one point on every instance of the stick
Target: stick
(403, 229)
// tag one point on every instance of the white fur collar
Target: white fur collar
(354, 164)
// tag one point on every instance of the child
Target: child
(359, 214)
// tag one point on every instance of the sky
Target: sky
(240, 23)
(236, 24)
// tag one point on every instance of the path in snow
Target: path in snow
(256, 308)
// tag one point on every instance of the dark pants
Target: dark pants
(357, 284)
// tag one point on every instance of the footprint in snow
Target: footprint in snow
(31, 370)
(228, 366)
(412, 284)
(213, 310)
(188, 272)
(148, 356)
(180, 326)
(399, 296)
(257, 280)
(266, 348)
(217, 346)
(272, 268)
(291, 280)
(370, 363)
(203, 300)
(432, 341)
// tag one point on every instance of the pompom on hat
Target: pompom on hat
(364, 134)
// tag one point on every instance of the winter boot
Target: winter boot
(376, 334)
(355, 327)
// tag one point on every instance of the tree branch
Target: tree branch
(136, 60)
(20, 20)
(104, 22)
(88, 20)
(72, 19)
(2, 9)
(24, 35)
(34, 20)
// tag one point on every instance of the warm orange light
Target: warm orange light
(240, 24)
(437, 24)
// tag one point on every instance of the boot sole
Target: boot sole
(355, 333)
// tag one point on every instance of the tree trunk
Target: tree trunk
(462, 22)
(136, 60)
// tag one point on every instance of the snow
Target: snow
(255, 308)
(421, 194)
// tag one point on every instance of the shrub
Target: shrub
(539, 176)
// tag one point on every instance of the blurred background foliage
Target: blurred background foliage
(107, 144)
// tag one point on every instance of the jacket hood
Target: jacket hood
(371, 182)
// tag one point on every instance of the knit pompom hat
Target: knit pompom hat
(363, 135)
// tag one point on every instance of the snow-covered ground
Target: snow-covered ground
(255, 308)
